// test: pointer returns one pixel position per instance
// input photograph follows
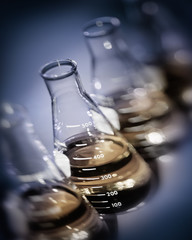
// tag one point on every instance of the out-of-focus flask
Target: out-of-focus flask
(156, 37)
(10, 204)
(121, 83)
(53, 209)
(104, 166)
(142, 38)
(176, 56)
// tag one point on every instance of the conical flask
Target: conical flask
(121, 83)
(103, 163)
(53, 209)
(177, 56)
(142, 36)
(10, 204)
(158, 38)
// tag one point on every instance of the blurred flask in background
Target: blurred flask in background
(44, 205)
(10, 203)
(127, 93)
(104, 166)
(158, 38)
(142, 38)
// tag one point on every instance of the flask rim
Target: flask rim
(57, 63)
(99, 22)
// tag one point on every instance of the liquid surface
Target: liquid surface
(98, 153)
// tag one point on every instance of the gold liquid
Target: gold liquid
(104, 165)
(139, 110)
(147, 121)
(57, 212)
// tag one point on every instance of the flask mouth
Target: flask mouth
(100, 26)
(58, 69)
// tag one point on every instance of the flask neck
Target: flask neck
(105, 46)
(112, 63)
(58, 88)
(60, 76)
(74, 112)
(70, 107)
(102, 37)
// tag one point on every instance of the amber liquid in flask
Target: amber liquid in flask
(108, 171)
(143, 120)
(104, 166)
(58, 212)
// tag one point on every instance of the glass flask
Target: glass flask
(8, 183)
(104, 166)
(177, 56)
(53, 208)
(144, 113)
(142, 37)
(167, 39)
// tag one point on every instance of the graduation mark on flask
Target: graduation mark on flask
(87, 124)
(117, 204)
(73, 126)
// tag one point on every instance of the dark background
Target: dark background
(36, 32)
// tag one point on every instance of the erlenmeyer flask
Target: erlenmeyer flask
(142, 37)
(54, 210)
(12, 230)
(103, 164)
(177, 56)
(157, 38)
(121, 83)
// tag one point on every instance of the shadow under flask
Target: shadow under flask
(53, 209)
(104, 166)
(146, 115)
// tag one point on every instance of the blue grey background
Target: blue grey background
(36, 32)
